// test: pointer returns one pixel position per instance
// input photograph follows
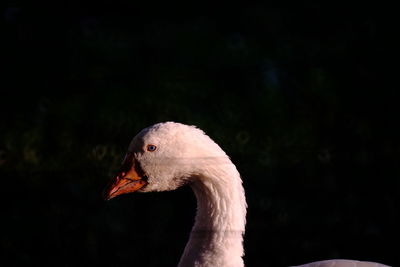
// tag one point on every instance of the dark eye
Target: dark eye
(151, 148)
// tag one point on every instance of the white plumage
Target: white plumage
(168, 155)
(342, 263)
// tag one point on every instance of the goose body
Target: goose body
(168, 155)
(342, 263)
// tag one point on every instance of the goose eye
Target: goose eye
(151, 148)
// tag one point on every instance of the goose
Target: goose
(169, 155)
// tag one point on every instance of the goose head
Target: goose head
(164, 157)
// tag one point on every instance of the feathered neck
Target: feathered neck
(217, 235)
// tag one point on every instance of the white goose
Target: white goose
(168, 155)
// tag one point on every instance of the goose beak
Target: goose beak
(130, 178)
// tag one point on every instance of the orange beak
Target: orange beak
(130, 178)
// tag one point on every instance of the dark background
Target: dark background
(295, 94)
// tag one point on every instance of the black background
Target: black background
(297, 95)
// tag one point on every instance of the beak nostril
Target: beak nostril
(129, 178)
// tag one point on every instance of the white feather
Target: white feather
(185, 155)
